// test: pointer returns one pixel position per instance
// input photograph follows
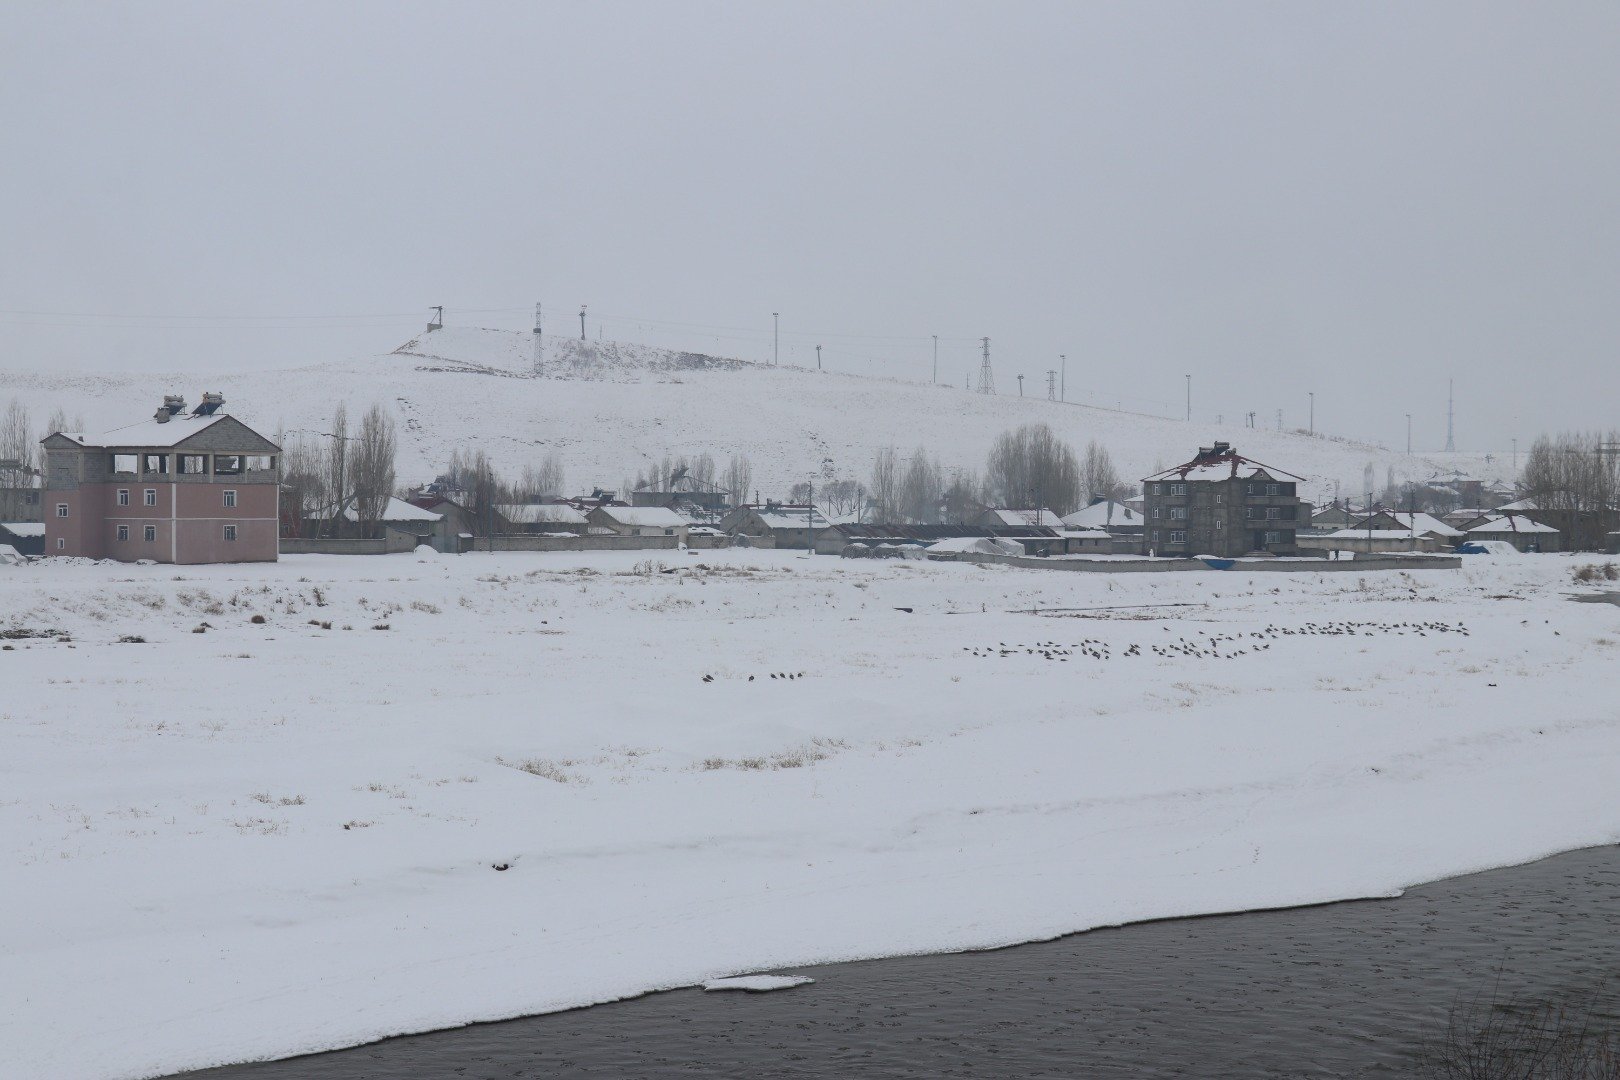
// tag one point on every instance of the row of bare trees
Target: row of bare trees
(1028, 468)
(20, 455)
(1574, 479)
(341, 480)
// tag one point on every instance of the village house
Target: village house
(20, 488)
(24, 537)
(783, 525)
(686, 495)
(1001, 518)
(182, 487)
(541, 519)
(1225, 505)
(637, 521)
(1108, 515)
(404, 524)
(1520, 531)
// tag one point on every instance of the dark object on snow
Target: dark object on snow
(904, 609)
(502, 866)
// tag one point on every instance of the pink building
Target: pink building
(182, 487)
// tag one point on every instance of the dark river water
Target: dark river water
(1341, 990)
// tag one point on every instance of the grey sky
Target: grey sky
(1353, 199)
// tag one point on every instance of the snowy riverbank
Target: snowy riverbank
(276, 837)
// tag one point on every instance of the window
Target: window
(1178, 513)
(230, 498)
(1178, 489)
(1155, 536)
(123, 532)
(230, 532)
(1273, 512)
(123, 463)
(1220, 524)
(1274, 538)
(31, 498)
(61, 509)
(155, 463)
(259, 463)
(1273, 489)
(227, 464)
(1251, 511)
(194, 464)
(123, 496)
(1155, 512)
(1254, 489)
(60, 543)
(151, 496)
(149, 533)
(1178, 536)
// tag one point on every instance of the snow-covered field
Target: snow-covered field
(288, 835)
(611, 410)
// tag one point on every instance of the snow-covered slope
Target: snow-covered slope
(610, 408)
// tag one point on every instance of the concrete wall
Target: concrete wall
(334, 547)
(1310, 545)
(1164, 566)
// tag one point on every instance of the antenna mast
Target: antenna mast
(1451, 402)
(537, 366)
(987, 378)
(1051, 384)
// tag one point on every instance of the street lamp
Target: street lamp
(1408, 434)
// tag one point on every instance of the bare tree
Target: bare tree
(739, 478)
(885, 486)
(960, 500)
(1099, 477)
(920, 489)
(484, 491)
(337, 467)
(18, 445)
(371, 467)
(1032, 468)
(304, 477)
(703, 470)
(542, 482)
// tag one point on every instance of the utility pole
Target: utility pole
(818, 357)
(810, 522)
(1063, 378)
(1020, 386)
(537, 354)
(1279, 419)
(1051, 384)
(1313, 411)
(987, 377)
(776, 338)
(1515, 457)
(936, 358)
(437, 322)
(1451, 401)
(582, 322)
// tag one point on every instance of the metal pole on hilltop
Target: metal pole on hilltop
(776, 338)
(582, 322)
(1408, 434)
(936, 357)
(1063, 377)
(1312, 428)
(818, 357)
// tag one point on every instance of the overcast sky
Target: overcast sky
(1357, 200)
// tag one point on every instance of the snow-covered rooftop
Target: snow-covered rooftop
(540, 514)
(24, 528)
(1511, 523)
(395, 510)
(792, 517)
(175, 430)
(1042, 517)
(1103, 515)
(647, 516)
(1425, 523)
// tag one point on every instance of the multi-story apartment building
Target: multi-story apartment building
(195, 487)
(1222, 504)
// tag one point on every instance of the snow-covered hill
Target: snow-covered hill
(612, 408)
